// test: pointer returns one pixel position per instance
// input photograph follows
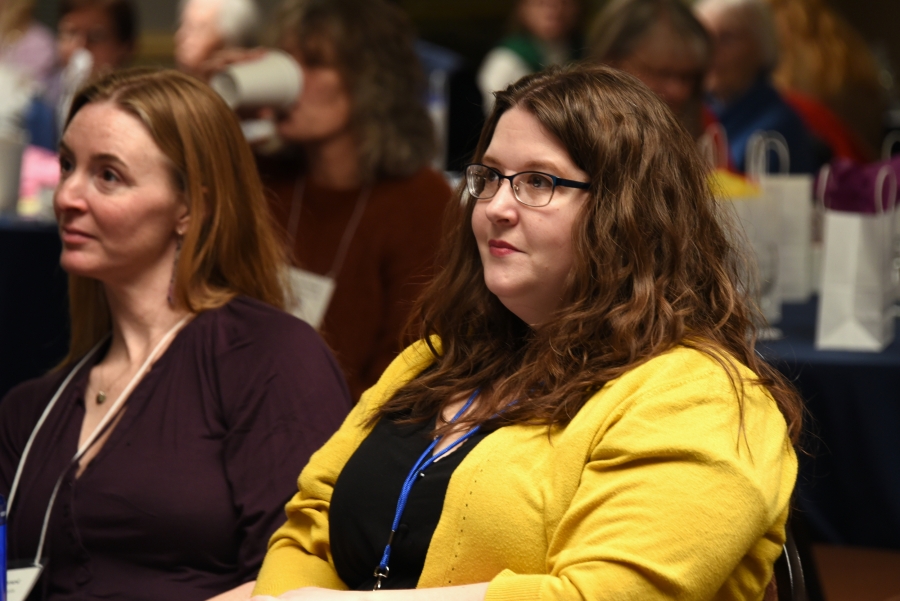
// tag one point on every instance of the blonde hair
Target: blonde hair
(230, 247)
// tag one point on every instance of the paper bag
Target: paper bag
(792, 194)
(752, 212)
(855, 306)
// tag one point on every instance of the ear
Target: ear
(182, 216)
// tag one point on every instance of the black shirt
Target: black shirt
(365, 499)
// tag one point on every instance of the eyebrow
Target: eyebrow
(542, 166)
(103, 156)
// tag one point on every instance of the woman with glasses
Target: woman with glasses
(585, 416)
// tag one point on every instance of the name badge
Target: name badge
(311, 294)
(20, 581)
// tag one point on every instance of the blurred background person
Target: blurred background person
(208, 26)
(106, 28)
(661, 43)
(360, 205)
(27, 59)
(94, 37)
(827, 72)
(25, 44)
(192, 399)
(745, 51)
(542, 34)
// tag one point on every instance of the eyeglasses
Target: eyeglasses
(531, 188)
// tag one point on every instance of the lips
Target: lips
(500, 248)
(71, 235)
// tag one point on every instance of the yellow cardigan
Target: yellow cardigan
(653, 491)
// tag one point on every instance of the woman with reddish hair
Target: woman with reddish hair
(155, 461)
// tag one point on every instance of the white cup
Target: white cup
(273, 80)
(11, 148)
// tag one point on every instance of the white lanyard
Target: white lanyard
(349, 230)
(110, 415)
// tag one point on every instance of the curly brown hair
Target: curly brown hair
(370, 42)
(656, 266)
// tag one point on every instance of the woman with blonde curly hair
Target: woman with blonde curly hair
(584, 416)
(360, 205)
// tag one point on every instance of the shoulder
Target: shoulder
(503, 63)
(425, 186)
(686, 398)
(527, 48)
(250, 327)
(415, 204)
(406, 366)
(22, 406)
(682, 374)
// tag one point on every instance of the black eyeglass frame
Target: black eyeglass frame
(556, 181)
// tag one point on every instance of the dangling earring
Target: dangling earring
(171, 293)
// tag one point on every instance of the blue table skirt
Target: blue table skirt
(849, 482)
(33, 301)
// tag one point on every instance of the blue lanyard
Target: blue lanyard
(425, 460)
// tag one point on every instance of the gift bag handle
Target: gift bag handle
(713, 146)
(822, 187)
(758, 147)
(878, 198)
(890, 140)
(879, 189)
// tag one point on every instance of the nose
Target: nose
(69, 196)
(502, 207)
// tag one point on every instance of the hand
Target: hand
(229, 56)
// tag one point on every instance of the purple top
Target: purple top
(180, 501)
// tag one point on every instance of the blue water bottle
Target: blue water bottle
(2, 548)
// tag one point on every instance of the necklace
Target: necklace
(102, 396)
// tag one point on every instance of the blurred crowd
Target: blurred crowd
(795, 67)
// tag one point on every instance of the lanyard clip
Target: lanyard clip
(381, 572)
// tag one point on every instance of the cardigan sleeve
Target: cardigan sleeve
(677, 500)
(299, 552)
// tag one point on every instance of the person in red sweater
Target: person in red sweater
(360, 206)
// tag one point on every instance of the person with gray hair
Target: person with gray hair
(207, 26)
(739, 80)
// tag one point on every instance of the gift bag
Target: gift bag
(752, 212)
(857, 295)
(792, 197)
(761, 220)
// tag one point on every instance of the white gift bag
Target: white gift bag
(855, 305)
(761, 220)
(792, 195)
